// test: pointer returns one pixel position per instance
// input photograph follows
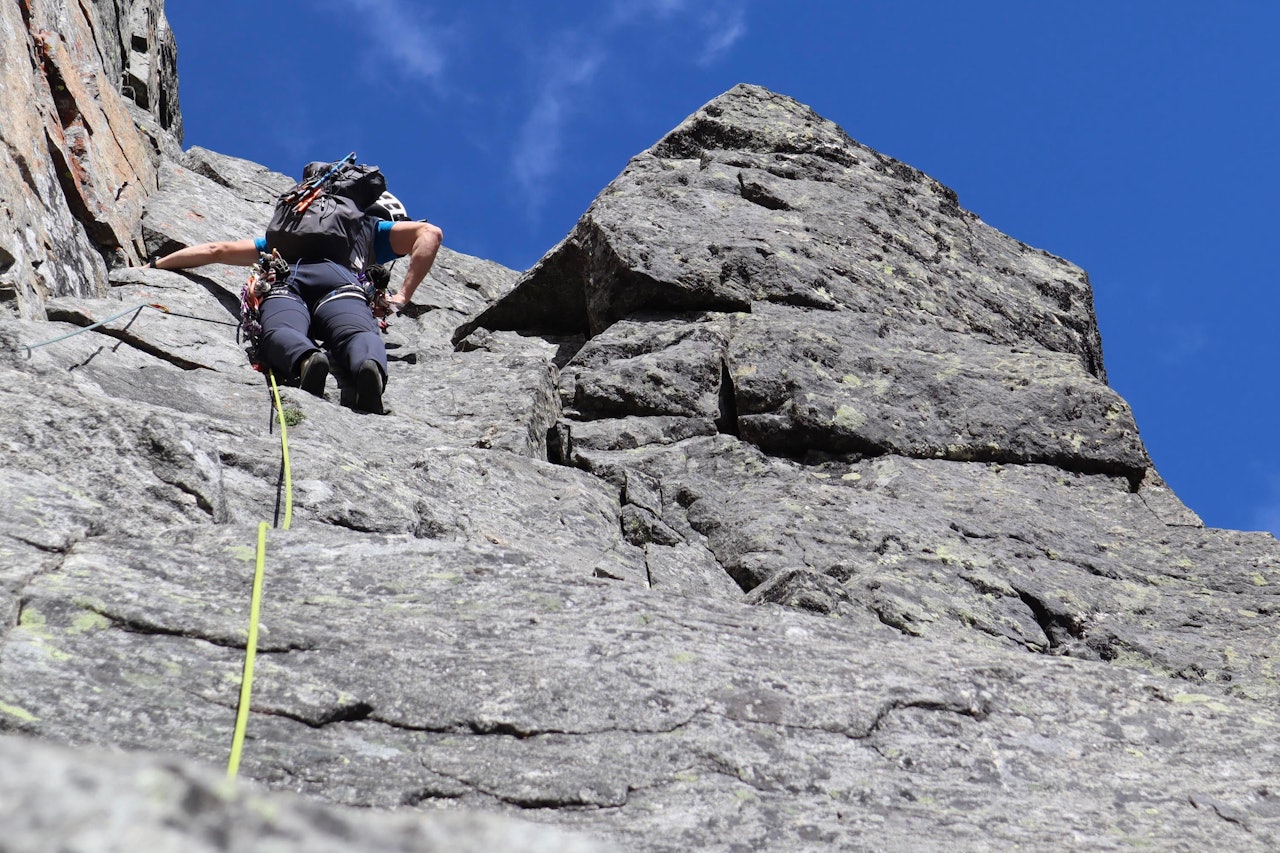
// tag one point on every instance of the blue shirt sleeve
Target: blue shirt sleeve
(382, 242)
(260, 244)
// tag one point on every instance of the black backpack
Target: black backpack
(323, 217)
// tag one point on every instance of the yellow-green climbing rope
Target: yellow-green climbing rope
(250, 652)
(284, 452)
(255, 604)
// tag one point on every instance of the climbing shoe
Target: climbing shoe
(315, 369)
(369, 388)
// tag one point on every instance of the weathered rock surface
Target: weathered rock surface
(783, 505)
(57, 799)
(755, 198)
(139, 50)
(75, 166)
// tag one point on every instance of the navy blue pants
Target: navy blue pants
(345, 325)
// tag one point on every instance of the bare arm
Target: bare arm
(420, 241)
(240, 253)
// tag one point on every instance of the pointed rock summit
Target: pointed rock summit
(783, 505)
(756, 199)
(852, 306)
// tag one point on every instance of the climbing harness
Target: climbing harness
(269, 278)
(371, 286)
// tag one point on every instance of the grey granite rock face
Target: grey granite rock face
(241, 177)
(783, 505)
(95, 802)
(139, 52)
(396, 672)
(755, 198)
(75, 166)
(856, 308)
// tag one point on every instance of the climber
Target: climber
(314, 307)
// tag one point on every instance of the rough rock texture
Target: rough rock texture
(783, 505)
(139, 50)
(57, 799)
(76, 164)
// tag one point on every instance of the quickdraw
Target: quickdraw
(270, 273)
(376, 280)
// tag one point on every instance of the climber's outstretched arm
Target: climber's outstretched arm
(420, 241)
(240, 253)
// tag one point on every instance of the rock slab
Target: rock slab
(783, 505)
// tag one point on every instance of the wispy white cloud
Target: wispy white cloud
(724, 29)
(539, 141)
(565, 79)
(401, 36)
(626, 11)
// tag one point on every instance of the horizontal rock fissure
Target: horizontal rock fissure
(63, 548)
(487, 728)
(353, 713)
(350, 524)
(524, 733)
(425, 795)
(530, 803)
(135, 625)
(970, 710)
(969, 534)
(740, 774)
(76, 318)
(512, 730)
(1222, 810)
(853, 450)
(801, 300)
(200, 499)
(363, 712)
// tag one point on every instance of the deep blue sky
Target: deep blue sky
(1137, 139)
